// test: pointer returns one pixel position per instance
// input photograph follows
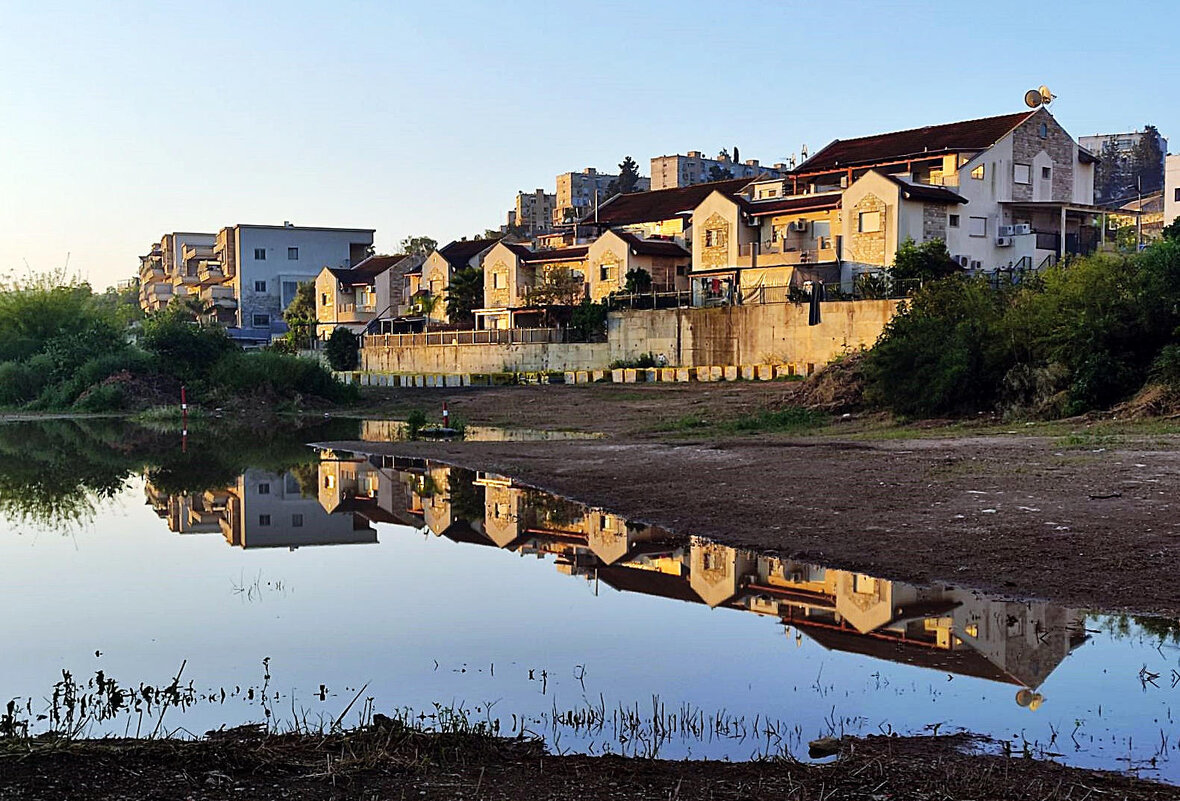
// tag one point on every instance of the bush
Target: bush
(102, 398)
(186, 349)
(279, 374)
(20, 382)
(342, 350)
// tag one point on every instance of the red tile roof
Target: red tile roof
(659, 204)
(462, 251)
(553, 254)
(930, 140)
(367, 270)
(652, 247)
(786, 205)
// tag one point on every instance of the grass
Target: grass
(790, 419)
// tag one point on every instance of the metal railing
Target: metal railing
(491, 336)
(675, 299)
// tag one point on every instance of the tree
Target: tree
(638, 281)
(588, 319)
(465, 295)
(928, 261)
(719, 174)
(559, 286)
(186, 348)
(1147, 162)
(419, 245)
(628, 175)
(1172, 230)
(342, 350)
(300, 315)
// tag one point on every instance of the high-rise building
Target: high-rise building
(669, 172)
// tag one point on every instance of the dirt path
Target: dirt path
(1086, 522)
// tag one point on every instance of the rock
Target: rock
(823, 747)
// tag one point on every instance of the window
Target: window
(953, 221)
(1046, 173)
(264, 489)
(292, 254)
(977, 173)
(261, 321)
(868, 222)
(977, 226)
(259, 286)
(681, 269)
(710, 238)
(1022, 173)
(497, 280)
(259, 254)
(264, 520)
(1177, 195)
(1044, 131)
(296, 521)
(325, 299)
(329, 482)
(289, 290)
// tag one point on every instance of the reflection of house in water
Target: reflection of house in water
(945, 628)
(261, 510)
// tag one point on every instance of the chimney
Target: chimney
(287, 224)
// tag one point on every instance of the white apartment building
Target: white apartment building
(577, 192)
(669, 172)
(533, 211)
(263, 265)
(1171, 188)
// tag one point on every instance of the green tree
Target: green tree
(717, 173)
(465, 295)
(1147, 162)
(928, 261)
(559, 286)
(342, 350)
(588, 319)
(1172, 230)
(300, 315)
(419, 245)
(628, 178)
(185, 348)
(638, 281)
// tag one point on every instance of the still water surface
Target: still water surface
(431, 586)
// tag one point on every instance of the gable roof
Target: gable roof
(922, 142)
(659, 204)
(366, 271)
(460, 252)
(786, 205)
(556, 254)
(937, 194)
(651, 247)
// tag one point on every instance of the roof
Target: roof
(553, 254)
(460, 252)
(937, 194)
(659, 204)
(913, 143)
(1086, 157)
(652, 247)
(367, 270)
(787, 205)
(648, 582)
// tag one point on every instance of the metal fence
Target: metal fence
(494, 336)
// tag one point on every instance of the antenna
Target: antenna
(1041, 96)
(1047, 97)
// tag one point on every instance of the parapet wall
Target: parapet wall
(774, 333)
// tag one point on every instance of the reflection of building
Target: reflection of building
(945, 628)
(260, 510)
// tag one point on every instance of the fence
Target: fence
(492, 336)
(652, 300)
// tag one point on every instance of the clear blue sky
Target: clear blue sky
(120, 121)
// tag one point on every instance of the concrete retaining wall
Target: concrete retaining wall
(771, 334)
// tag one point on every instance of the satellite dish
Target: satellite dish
(1046, 95)
(1032, 98)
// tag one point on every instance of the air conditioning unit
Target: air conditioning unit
(962, 260)
(976, 264)
(1021, 230)
(1006, 230)
(1003, 241)
(799, 225)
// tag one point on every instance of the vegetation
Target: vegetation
(638, 280)
(1121, 175)
(1081, 336)
(465, 295)
(717, 173)
(627, 180)
(64, 347)
(928, 261)
(419, 245)
(300, 318)
(640, 362)
(588, 319)
(789, 419)
(342, 350)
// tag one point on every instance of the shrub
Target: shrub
(102, 398)
(186, 349)
(280, 374)
(342, 350)
(20, 382)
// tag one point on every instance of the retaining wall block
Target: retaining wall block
(730, 373)
(748, 372)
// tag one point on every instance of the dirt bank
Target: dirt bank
(383, 763)
(1084, 524)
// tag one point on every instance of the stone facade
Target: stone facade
(715, 242)
(497, 289)
(868, 247)
(1027, 143)
(934, 217)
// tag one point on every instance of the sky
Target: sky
(121, 121)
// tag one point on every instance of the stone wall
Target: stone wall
(934, 221)
(1027, 143)
(868, 247)
(729, 335)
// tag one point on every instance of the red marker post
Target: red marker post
(446, 416)
(183, 419)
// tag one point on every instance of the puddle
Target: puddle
(442, 591)
(398, 431)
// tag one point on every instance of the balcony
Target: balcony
(348, 312)
(221, 297)
(786, 253)
(209, 271)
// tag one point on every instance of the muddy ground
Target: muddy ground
(1079, 512)
(388, 765)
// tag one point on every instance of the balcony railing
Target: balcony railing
(783, 253)
(494, 336)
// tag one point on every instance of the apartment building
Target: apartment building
(533, 212)
(171, 268)
(579, 192)
(669, 172)
(1119, 150)
(1171, 188)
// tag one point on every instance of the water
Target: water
(414, 584)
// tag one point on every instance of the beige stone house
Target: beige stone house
(617, 252)
(429, 287)
(358, 297)
(511, 272)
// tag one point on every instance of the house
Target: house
(663, 213)
(512, 272)
(1171, 189)
(1144, 214)
(686, 169)
(354, 297)
(172, 269)
(438, 269)
(617, 252)
(1019, 192)
(260, 268)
